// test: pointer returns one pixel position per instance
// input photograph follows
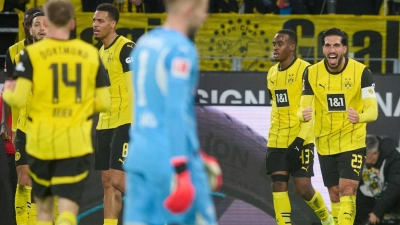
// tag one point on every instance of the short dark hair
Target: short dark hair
(292, 35)
(334, 32)
(36, 15)
(31, 11)
(371, 143)
(113, 12)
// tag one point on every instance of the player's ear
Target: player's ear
(113, 24)
(45, 22)
(72, 24)
(345, 49)
(292, 46)
(30, 31)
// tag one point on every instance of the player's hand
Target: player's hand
(213, 170)
(5, 132)
(182, 196)
(373, 219)
(307, 113)
(352, 115)
(293, 152)
(9, 85)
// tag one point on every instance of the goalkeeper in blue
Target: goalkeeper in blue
(167, 180)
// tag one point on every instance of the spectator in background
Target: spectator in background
(287, 7)
(146, 6)
(224, 6)
(378, 192)
(357, 7)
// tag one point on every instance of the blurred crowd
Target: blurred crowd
(283, 7)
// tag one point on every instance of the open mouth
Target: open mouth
(276, 55)
(42, 35)
(96, 31)
(333, 59)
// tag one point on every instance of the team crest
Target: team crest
(371, 91)
(348, 84)
(110, 56)
(17, 156)
(290, 79)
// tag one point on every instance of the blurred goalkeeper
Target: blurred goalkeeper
(166, 177)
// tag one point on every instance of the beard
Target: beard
(338, 63)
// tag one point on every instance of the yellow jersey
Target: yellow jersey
(12, 51)
(285, 87)
(333, 94)
(65, 75)
(116, 59)
(20, 116)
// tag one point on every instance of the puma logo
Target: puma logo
(323, 86)
(297, 148)
(129, 46)
(304, 168)
(272, 81)
(123, 162)
(357, 172)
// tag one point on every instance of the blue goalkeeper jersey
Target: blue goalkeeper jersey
(165, 70)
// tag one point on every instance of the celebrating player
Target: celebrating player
(344, 96)
(290, 143)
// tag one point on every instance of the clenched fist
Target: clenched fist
(352, 115)
(307, 113)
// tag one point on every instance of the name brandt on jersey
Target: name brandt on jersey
(60, 112)
(63, 50)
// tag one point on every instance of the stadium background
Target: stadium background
(233, 112)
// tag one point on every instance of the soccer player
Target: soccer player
(344, 96)
(69, 84)
(290, 142)
(164, 146)
(23, 204)
(112, 136)
(38, 31)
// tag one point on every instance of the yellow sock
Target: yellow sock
(66, 218)
(335, 211)
(22, 201)
(347, 212)
(110, 221)
(318, 205)
(44, 223)
(55, 209)
(282, 208)
(32, 215)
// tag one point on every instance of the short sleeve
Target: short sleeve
(367, 80)
(24, 67)
(125, 57)
(307, 90)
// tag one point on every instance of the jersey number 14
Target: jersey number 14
(77, 83)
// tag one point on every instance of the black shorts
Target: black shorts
(276, 161)
(20, 148)
(111, 148)
(343, 165)
(64, 177)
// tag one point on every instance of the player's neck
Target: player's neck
(109, 39)
(175, 22)
(285, 64)
(59, 33)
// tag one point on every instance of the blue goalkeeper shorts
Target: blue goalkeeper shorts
(145, 194)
